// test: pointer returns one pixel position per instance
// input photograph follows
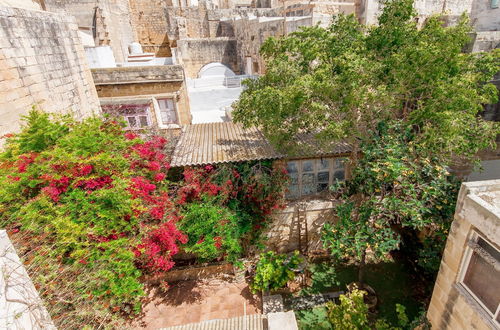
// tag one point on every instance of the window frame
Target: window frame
(300, 172)
(146, 113)
(157, 111)
(464, 267)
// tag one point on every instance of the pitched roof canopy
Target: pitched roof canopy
(212, 143)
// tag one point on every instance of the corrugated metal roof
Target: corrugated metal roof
(219, 143)
(213, 143)
(249, 322)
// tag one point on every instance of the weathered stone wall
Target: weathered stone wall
(151, 23)
(196, 53)
(138, 74)
(109, 20)
(451, 306)
(283, 233)
(484, 17)
(369, 10)
(250, 35)
(25, 4)
(42, 63)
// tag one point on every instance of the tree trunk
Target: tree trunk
(361, 269)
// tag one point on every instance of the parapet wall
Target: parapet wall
(42, 63)
(138, 74)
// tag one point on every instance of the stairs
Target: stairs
(249, 322)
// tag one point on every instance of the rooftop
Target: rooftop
(213, 143)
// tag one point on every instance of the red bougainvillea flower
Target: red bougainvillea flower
(130, 136)
(218, 242)
(24, 161)
(159, 177)
(154, 166)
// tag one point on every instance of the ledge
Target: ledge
(138, 74)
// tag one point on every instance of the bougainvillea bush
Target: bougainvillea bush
(89, 206)
(225, 208)
(90, 211)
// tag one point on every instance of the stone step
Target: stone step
(249, 322)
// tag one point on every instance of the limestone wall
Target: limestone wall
(283, 233)
(42, 62)
(193, 54)
(369, 10)
(452, 307)
(484, 17)
(109, 21)
(151, 23)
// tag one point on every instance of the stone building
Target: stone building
(466, 294)
(42, 64)
(148, 92)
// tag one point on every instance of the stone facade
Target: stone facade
(42, 64)
(478, 210)
(369, 10)
(150, 21)
(124, 84)
(196, 53)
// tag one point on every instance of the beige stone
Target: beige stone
(478, 208)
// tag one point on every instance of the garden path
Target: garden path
(195, 301)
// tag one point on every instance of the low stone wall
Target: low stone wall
(138, 74)
(196, 53)
(197, 272)
(283, 233)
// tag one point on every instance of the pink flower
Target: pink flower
(154, 166)
(159, 177)
(130, 136)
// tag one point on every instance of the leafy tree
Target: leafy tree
(394, 188)
(407, 99)
(340, 82)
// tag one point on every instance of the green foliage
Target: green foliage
(340, 82)
(39, 132)
(212, 231)
(313, 319)
(324, 278)
(273, 271)
(351, 313)
(395, 186)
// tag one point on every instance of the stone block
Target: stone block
(272, 303)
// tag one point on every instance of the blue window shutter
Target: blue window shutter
(494, 3)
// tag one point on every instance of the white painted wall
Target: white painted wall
(100, 57)
(20, 305)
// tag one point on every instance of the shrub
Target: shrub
(273, 271)
(351, 313)
(212, 231)
(88, 208)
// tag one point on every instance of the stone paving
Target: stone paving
(196, 301)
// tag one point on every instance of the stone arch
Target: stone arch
(215, 69)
